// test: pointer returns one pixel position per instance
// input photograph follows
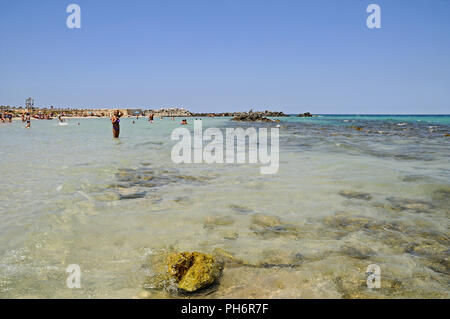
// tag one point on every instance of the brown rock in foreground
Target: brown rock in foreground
(193, 270)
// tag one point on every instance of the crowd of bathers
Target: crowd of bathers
(115, 119)
(6, 117)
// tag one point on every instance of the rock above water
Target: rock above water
(193, 270)
(251, 117)
(306, 114)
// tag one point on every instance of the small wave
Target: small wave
(401, 124)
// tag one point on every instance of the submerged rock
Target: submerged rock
(280, 259)
(192, 178)
(226, 257)
(240, 209)
(441, 194)
(130, 182)
(357, 251)
(193, 270)
(276, 231)
(216, 221)
(412, 205)
(429, 249)
(119, 185)
(352, 223)
(230, 235)
(355, 195)
(433, 255)
(412, 178)
(265, 220)
(132, 195)
(268, 226)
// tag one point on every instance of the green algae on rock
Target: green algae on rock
(193, 270)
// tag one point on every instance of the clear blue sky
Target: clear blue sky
(223, 55)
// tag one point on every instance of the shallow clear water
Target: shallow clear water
(342, 199)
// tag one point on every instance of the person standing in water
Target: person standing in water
(115, 120)
(28, 119)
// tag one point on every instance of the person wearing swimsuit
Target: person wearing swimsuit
(28, 119)
(115, 120)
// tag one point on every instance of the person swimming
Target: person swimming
(115, 120)
(184, 122)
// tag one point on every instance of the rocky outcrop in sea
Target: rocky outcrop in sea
(251, 117)
(237, 114)
(256, 116)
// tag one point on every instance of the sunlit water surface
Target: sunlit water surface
(343, 198)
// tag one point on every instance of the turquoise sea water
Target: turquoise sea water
(351, 190)
(431, 119)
